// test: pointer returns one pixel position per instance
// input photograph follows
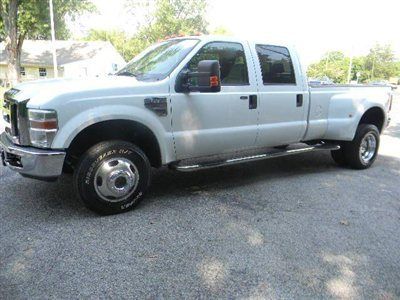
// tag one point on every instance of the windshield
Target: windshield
(157, 62)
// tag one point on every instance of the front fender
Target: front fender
(69, 128)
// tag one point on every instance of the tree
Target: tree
(176, 17)
(166, 18)
(381, 62)
(221, 31)
(333, 64)
(30, 19)
(127, 46)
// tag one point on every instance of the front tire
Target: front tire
(112, 177)
(363, 150)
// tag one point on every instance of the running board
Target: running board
(181, 166)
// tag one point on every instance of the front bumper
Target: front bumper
(31, 162)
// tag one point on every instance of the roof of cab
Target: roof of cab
(224, 38)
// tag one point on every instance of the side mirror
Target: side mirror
(207, 75)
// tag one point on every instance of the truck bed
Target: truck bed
(334, 107)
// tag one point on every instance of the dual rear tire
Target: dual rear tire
(362, 151)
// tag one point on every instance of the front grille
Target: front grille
(6, 110)
(10, 111)
(14, 119)
(15, 115)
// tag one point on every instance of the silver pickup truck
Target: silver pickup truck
(188, 103)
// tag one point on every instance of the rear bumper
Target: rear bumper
(32, 162)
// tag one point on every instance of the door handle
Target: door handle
(299, 100)
(253, 102)
(244, 97)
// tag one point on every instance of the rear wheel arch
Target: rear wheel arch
(374, 116)
(124, 130)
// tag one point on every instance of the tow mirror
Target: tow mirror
(209, 76)
(207, 79)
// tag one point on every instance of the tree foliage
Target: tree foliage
(380, 63)
(175, 17)
(162, 19)
(33, 17)
(333, 64)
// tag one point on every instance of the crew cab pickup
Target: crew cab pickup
(188, 103)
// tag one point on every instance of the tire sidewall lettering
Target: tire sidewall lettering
(95, 163)
(132, 202)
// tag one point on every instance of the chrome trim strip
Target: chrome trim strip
(44, 130)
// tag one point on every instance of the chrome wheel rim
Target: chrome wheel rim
(367, 148)
(116, 179)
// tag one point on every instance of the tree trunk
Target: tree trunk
(13, 44)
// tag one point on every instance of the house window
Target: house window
(42, 72)
(22, 71)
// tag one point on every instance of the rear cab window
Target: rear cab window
(276, 65)
(231, 58)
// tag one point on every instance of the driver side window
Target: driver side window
(231, 58)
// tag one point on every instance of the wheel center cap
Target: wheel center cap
(116, 179)
(120, 182)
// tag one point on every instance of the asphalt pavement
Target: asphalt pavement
(292, 227)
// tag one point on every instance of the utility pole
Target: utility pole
(53, 39)
(326, 62)
(373, 67)
(350, 67)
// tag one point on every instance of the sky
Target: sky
(313, 27)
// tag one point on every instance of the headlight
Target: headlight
(43, 127)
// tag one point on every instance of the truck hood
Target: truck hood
(42, 91)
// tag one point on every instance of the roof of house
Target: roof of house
(39, 52)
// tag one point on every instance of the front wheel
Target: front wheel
(363, 150)
(112, 177)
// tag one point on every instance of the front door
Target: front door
(213, 123)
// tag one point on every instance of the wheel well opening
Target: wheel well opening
(129, 131)
(374, 116)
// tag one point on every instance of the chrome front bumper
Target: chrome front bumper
(31, 162)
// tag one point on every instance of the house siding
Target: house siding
(31, 73)
(75, 59)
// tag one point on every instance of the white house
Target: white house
(74, 59)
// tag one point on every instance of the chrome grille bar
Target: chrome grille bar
(16, 118)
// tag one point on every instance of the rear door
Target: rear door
(213, 123)
(283, 104)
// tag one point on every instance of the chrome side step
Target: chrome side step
(181, 166)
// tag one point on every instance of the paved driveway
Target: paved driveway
(292, 227)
